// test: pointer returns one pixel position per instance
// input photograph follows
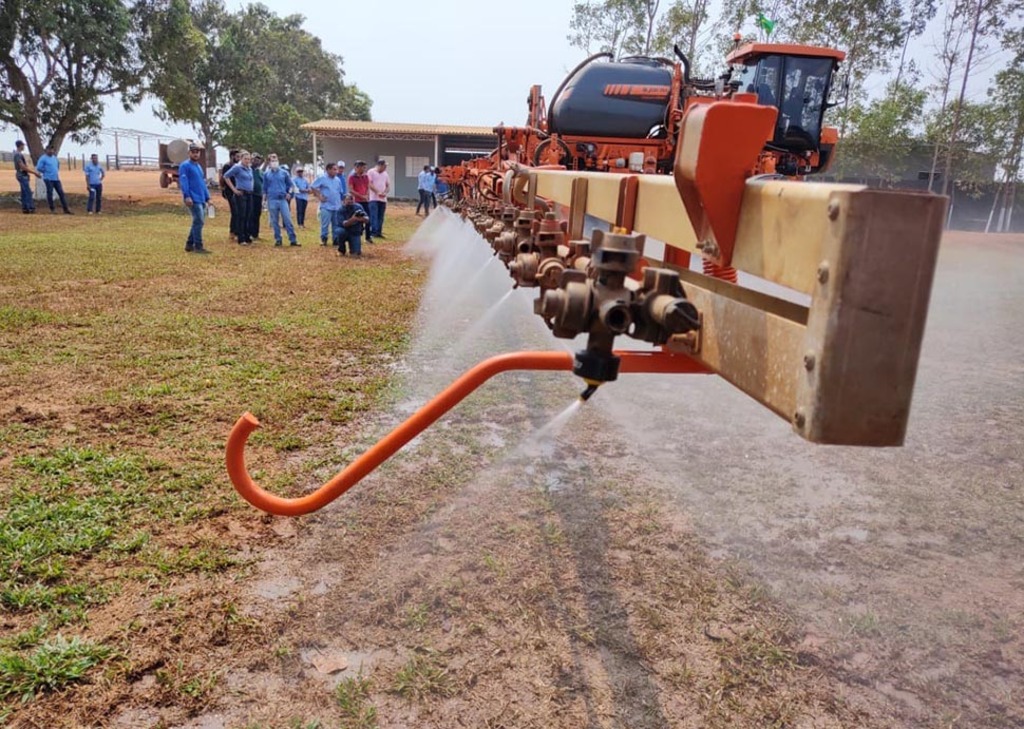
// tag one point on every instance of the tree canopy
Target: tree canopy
(58, 62)
(249, 78)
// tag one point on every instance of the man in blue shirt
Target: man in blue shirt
(49, 167)
(341, 178)
(94, 175)
(192, 181)
(22, 169)
(328, 189)
(239, 180)
(256, 209)
(277, 189)
(353, 218)
(301, 187)
(425, 186)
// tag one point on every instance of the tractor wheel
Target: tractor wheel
(165, 179)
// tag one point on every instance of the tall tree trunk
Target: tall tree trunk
(903, 60)
(935, 151)
(960, 101)
(999, 192)
(1009, 211)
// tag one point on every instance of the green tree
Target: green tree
(883, 133)
(987, 20)
(641, 27)
(297, 80)
(1006, 132)
(972, 157)
(613, 26)
(59, 60)
(686, 22)
(251, 78)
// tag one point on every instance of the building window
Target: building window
(414, 165)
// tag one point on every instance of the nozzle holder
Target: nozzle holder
(596, 366)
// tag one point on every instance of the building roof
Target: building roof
(340, 127)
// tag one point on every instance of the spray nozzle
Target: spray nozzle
(590, 390)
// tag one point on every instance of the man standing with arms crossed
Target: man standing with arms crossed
(380, 186)
(192, 182)
(277, 189)
(94, 175)
(22, 169)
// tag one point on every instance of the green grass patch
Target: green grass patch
(353, 697)
(13, 317)
(423, 675)
(50, 667)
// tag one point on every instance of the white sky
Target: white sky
(438, 62)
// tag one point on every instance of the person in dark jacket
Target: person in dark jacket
(192, 181)
(229, 196)
(353, 219)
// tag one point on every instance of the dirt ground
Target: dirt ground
(125, 185)
(670, 555)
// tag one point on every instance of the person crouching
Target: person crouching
(353, 219)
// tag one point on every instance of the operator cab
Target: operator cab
(795, 80)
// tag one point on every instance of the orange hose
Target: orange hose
(632, 362)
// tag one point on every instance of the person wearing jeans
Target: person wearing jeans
(301, 186)
(49, 167)
(425, 186)
(94, 175)
(380, 186)
(22, 169)
(277, 189)
(359, 186)
(192, 182)
(353, 218)
(328, 190)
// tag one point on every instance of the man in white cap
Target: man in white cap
(343, 178)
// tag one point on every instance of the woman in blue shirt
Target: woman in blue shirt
(239, 179)
(301, 196)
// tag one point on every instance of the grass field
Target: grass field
(123, 362)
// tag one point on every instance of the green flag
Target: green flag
(764, 24)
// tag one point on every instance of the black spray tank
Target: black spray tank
(624, 99)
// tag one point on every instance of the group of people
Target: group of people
(350, 207)
(353, 206)
(47, 168)
(430, 185)
(246, 181)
